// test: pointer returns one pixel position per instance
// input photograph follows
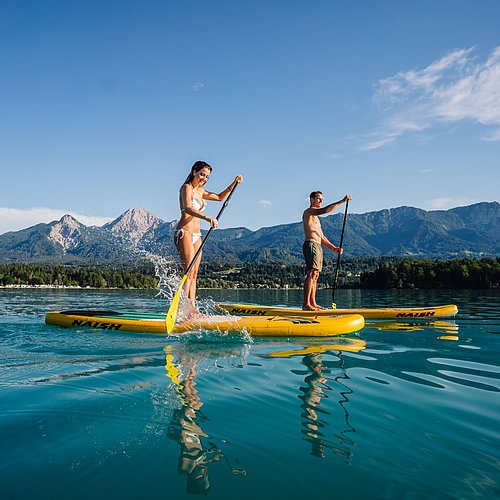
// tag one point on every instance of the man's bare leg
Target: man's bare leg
(310, 290)
(313, 295)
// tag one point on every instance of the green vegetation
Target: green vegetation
(93, 277)
(215, 274)
(369, 272)
(427, 274)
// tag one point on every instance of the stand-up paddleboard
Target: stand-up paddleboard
(446, 311)
(272, 326)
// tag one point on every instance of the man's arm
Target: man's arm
(329, 208)
(325, 241)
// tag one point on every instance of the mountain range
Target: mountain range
(470, 231)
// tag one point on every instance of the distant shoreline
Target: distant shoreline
(72, 287)
(77, 287)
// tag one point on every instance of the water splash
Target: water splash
(168, 271)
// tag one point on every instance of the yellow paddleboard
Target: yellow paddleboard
(445, 311)
(272, 326)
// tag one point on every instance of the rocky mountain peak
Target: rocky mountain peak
(70, 221)
(134, 224)
(66, 232)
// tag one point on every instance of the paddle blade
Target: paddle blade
(174, 306)
(334, 306)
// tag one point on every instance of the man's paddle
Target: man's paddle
(336, 279)
(174, 305)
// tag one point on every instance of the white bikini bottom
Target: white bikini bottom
(179, 233)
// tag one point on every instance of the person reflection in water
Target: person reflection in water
(185, 428)
(311, 397)
(194, 458)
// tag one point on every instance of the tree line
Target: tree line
(93, 277)
(372, 272)
(216, 274)
(430, 274)
(368, 272)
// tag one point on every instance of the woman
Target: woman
(187, 236)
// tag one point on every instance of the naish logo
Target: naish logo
(425, 314)
(96, 324)
(255, 312)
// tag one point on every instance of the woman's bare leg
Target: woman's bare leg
(187, 251)
(193, 275)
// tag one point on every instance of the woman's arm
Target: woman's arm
(207, 195)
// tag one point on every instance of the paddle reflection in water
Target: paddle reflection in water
(196, 452)
(319, 382)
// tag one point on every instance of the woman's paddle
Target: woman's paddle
(174, 305)
(336, 279)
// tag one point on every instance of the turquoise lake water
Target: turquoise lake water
(398, 410)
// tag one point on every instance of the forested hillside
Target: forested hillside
(354, 273)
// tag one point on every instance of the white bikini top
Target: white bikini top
(199, 204)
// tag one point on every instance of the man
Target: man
(313, 252)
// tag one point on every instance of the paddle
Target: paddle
(336, 279)
(174, 305)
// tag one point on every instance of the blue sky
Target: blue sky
(105, 105)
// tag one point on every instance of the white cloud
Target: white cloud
(452, 89)
(380, 139)
(197, 86)
(265, 203)
(402, 84)
(445, 203)
(14, 219)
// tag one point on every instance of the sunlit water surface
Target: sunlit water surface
(398, 410)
